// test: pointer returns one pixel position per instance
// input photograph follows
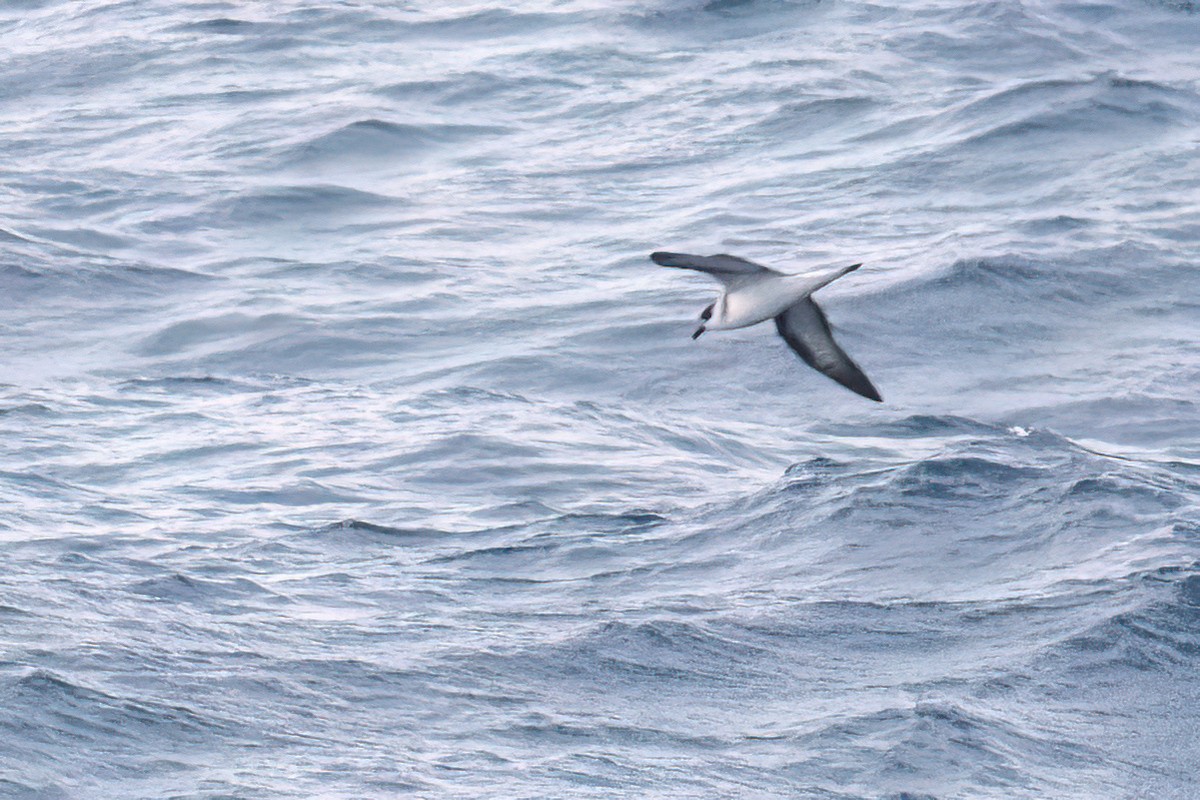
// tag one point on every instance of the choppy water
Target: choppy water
(352, 447)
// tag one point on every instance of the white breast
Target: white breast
(759, 300)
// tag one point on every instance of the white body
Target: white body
(756, 299)
(751, 299)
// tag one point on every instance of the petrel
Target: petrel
(754, 293)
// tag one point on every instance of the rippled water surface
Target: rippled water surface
(352, 446)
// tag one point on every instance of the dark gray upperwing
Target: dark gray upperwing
(722, 267)
(805, 329)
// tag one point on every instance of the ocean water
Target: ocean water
(351, 446)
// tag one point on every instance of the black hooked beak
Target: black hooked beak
(699, 331)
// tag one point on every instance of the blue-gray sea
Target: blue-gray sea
(352, 447)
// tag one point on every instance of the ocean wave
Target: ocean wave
(379, 140)
(178, 588)
(1049, 112)
(61, 709)
(492, 23)
(217, 25)
(309, 203)
(471, 88)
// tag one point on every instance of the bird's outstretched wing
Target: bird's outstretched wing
(805, 329)
(725, 268)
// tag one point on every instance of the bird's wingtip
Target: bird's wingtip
(870, 392)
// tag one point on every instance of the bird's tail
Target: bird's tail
(825, 280)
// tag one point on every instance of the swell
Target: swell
(56, 709)
(381, 140)
(1070, 110)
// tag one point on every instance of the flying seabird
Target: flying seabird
(754, 293)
